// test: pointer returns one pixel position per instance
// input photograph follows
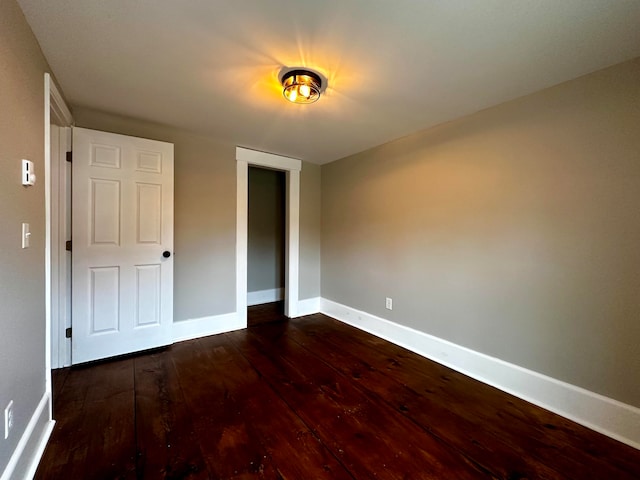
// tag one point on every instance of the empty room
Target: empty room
(294, 240)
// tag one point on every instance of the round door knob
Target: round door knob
(166, 254)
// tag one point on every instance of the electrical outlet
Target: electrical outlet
(389, 303)
(8, 419)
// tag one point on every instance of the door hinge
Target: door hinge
(67, 245)
(67, 333)
(69, 157)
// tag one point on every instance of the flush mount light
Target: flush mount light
(301, 86)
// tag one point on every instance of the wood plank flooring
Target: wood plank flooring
(307, 399)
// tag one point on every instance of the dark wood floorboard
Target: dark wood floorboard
(266, 313)
(434, 414)
(58, 380)
(94, 437)
(164, 422)
(364, 434)
(244, 427)
(551, 440)
(307, 399)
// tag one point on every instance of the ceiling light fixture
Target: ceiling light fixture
(301, 86)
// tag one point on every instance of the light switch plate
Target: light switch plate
(26, 235)
(8, 419)
(28, 175)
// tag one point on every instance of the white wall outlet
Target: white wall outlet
(388, 303)
(8, 419)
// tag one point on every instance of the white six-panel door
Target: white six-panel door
(122, 207)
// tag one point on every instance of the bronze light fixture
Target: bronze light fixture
(301, 86)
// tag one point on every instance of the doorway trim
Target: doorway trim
(55, 112)
(291, 166)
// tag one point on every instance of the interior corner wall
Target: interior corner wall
(22, 271)
(514, 231)
(205, 216)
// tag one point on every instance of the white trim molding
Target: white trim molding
(265, 296)
(61, 113)
(597, 412)
(205, 326)
(269, 160)
(228, 322)
(55, 112)
(242, 215)
(308, 306)
(292, 246)
(26, 457)
(292, 167)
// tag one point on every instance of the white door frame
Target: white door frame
(292, 167)
(56, 112)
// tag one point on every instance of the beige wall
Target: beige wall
(22, 313)
(266, 229)
(514, 231)
(205, 216)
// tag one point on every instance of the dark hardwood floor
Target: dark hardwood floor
(307, 399)
(267, 313)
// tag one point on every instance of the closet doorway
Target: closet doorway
(291, 168)
(266, 244)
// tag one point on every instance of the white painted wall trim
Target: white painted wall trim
(265, 296)
(60, 259)
(292, 247)
(23, 455)
(269, 160)
(602, 414)
(205, 326)
(56, 112)
(48, 87)
(308, 306)
(64, 257)
(212, 325)
(292, 167)
(61, 113)
(242, 217)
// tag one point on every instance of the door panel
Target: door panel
(148, 293)
(149, 213)
(122, 204)
(104, 214)
(105, 300)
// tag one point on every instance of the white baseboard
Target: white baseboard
(26, 457)
(602, 414)
(204, 326)
(212, 325)
(308, 306)
(265, 296)
(42, 444)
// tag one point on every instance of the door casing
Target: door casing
(291, 167)
(56, 112)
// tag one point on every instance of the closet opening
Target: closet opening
(266, 245)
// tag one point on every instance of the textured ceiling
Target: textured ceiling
(394, 67)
